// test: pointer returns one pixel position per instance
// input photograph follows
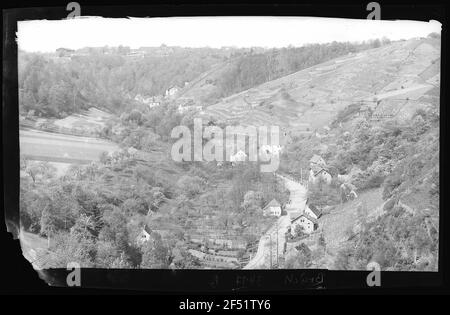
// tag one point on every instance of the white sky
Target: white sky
(43, 35)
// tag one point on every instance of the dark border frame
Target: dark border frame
(195, 281)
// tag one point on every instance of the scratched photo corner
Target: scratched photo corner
(229, 143)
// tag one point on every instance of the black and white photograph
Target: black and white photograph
(227, 144)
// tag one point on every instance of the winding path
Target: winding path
(278, 230)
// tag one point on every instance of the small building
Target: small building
(231, 243)
(306, 222)
(273, 208)
(132, 151)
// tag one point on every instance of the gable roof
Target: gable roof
(315, 210)
(272, 203)
(305, 216)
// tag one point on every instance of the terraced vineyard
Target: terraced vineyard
(396, 76)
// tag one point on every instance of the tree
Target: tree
(60, 213)
(376, 43)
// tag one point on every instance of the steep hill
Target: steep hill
(393, 81)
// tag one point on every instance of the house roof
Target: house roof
(147, 229)
(305, 216)
(315, 210)
(272, 203)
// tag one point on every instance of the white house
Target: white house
(273, 208)
(306, 222)
(240, 156)
(319, 173)
(312, 211)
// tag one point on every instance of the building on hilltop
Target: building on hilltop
(144, 236)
